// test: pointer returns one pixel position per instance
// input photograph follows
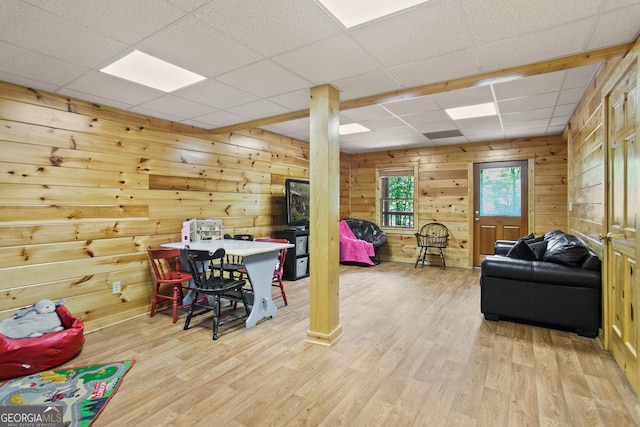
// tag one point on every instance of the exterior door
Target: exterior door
(500, 205)
(622, 289)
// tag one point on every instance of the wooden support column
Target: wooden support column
(324, 237)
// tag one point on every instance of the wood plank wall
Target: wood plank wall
(587, 141)
(85, 189)
(444, 181)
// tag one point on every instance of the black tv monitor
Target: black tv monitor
(298, 195)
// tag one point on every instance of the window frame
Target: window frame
(389, 172)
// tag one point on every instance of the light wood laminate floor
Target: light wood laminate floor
(416, 351)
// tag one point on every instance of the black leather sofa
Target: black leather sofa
(554, 281)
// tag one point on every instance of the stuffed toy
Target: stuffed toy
(33, 321)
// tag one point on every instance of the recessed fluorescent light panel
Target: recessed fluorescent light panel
(352, 128)
(356, 12)
(472, 111)
(147, 70)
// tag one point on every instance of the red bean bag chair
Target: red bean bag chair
(19, 357)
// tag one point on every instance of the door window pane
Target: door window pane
(500, 191)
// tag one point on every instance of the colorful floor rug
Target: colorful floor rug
(80, 393)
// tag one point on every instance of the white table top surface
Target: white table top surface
(232, 247)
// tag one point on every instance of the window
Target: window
(397, 197)
(500, 191)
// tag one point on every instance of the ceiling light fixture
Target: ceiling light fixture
(355, 12)
(147, 70)
(352, 128)
(472, 111)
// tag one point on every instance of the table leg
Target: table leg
(260, 269)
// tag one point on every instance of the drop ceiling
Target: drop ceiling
(261, 58)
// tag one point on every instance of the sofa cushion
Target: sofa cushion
(566, 249)
(521, 250)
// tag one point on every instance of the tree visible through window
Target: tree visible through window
(500, 191)
(397, 195)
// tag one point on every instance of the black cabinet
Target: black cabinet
(296, 265)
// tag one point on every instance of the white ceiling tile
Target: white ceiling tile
(215, 94)
(528, 103)
(486, 136)
(169, 104)
(36, 66)
(299, 125)
(450, 141)
(559, 121)
(550, 82)
(483, 130)
(564, 110)
(581, 76)
(188, 5)
(258, 109)
(542, 113)
(65, 91)
(124, 20)
(441, 68)
(60, 45)
(571, 96)
(477, 122)
(219, 119)
(617, 4)
(526, 133)
(493, 20)
(359, 86)
(23, 81)
(194, 45)
(51, 35)
(539, 46)
(555, 130)
(157, 114)
(270, 27)
(422, 121)
(264, 79)
(464, 97)
(615, 26)
(296, 100)
(386, 123)
(109, 87)
(437, 126)
(528, 124)
(411, 106)
(362, 114)
(432, 29)
(334, 58)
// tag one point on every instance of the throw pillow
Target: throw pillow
(566, 249)
(521, 250)
(527, 237)
(539, 248)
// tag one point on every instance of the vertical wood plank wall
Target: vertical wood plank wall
(84, 190)
(444, 182)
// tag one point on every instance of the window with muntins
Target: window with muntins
(397, 197)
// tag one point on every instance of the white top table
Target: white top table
(259, 259)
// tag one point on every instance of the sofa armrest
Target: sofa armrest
(501, 247)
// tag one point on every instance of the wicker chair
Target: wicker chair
(431, 240)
